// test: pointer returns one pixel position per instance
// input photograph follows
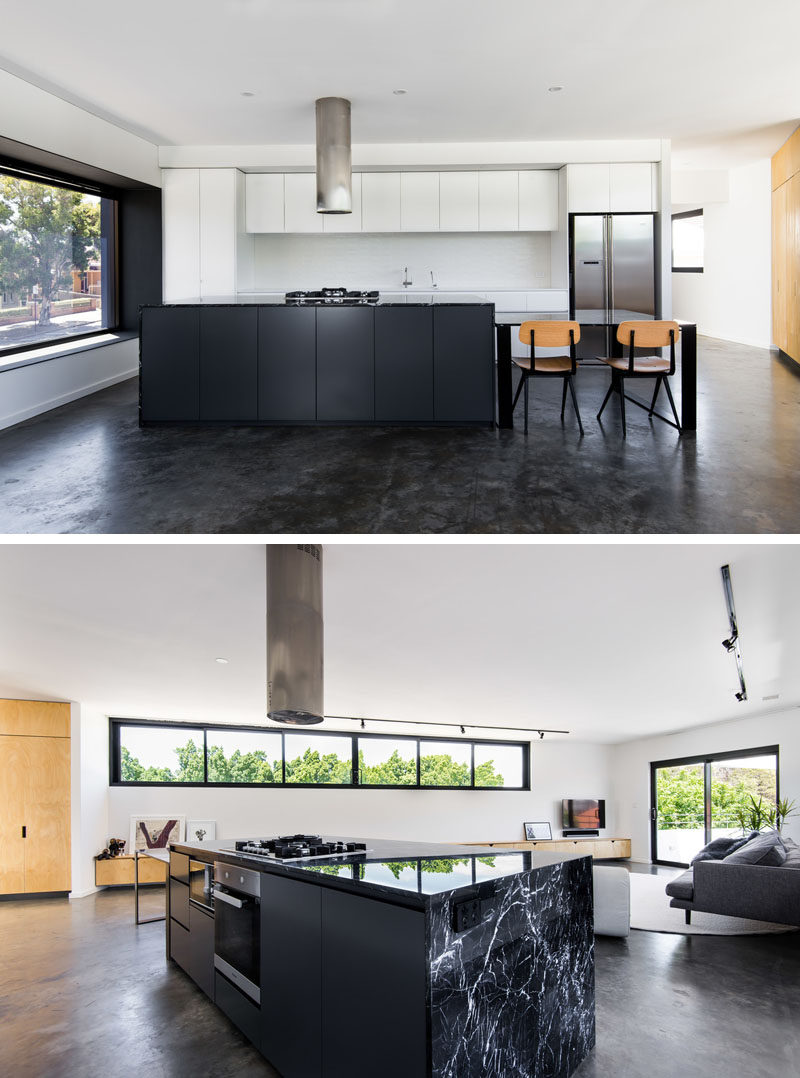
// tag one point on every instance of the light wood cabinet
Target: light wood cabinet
(786, 247)
(118, 871)
(34, 797)
(600, 849)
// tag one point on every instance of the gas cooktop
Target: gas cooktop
(333, 295)
(297, 847)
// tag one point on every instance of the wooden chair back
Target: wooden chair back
(550, 334)
(648, 334)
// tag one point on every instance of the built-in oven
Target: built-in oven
(201, 885)
(237, 927)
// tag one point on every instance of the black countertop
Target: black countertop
(387, 299)
(421, 874)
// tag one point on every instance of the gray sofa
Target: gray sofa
(736, 887)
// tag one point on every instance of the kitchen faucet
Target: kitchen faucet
(406, 281)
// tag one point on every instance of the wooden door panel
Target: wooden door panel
(47, 814)
(12, 811)
(35, 718)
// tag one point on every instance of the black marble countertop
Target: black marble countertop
(387, 299)
(421, 874)
(584, 316)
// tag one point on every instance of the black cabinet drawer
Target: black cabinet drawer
(244, 1014)
(201, 968)
(179, 902)
(179, 867)
(179, 948)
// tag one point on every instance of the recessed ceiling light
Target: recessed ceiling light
(554, 89)
(399, 92)
(773, 696)
(221, 660)
(248, 93)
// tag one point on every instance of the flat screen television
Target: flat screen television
(583, 815)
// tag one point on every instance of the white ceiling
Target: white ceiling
(610, 641)
(718, 77)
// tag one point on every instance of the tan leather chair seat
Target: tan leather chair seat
(641, 364)
(551, 364)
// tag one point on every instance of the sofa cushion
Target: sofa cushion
(792, 854)
(682, 886)
(767, 849)
(720, 847)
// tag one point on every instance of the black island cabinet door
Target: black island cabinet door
(170, 364)
(287, 363)
(463, 362)
(345, 364)
(404, 364)
(229, 364)
(373, 988)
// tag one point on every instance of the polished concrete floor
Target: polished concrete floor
(87, 467)
(84, 993)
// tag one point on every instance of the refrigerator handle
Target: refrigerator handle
(610, 250)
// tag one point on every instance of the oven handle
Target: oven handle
(223, 896)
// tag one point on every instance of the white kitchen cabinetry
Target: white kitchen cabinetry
(264, 202)
(631, 187)
(217, 231)
(180, 197)
(380, 202)
(619, 187)
(345, 222)
(498, 194)
(419, 202)
(458, 202)
(300, 203)
(538, 200)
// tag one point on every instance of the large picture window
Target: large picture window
(699, 798)
(56, 260)
(147, 753)
(688, 242)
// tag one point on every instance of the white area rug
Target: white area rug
(651, 911)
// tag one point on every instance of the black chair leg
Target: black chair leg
(659, 380)
(519, 390)
(526, 404)
(605, 399)
(621, 391)
(574, 401)
(688, 916)
(564, 397)
(672, 403)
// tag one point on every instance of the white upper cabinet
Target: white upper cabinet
(498, 199)
(620, 187)
(217, 231)
(300, 203)
(631, 187)
(346, 222)
(419, 201)
(458, 201)
(538, 201)
(264, 202)
(180, 203)
(380, 202)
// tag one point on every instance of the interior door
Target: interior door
(47, 813)
(12, 814)
(678, 814)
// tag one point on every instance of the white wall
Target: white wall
(560, 769)
(29, 390)
(630, 766)
(89, 795)
(40, 119)
(731, 299)
(482, 261)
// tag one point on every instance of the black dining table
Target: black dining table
(506, 321)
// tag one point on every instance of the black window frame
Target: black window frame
(707, 759)
(680, 217)
(114, 764)
(109, 238)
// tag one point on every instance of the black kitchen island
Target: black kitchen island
(407, 960)
(260, 359)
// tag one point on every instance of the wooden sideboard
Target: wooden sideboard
(601, 849)
(118, 871)
(786, 247)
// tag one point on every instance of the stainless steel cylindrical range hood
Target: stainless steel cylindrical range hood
(294, 634)
(334, 162)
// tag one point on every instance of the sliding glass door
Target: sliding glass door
(695, 799)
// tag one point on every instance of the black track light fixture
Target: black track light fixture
(732, 643)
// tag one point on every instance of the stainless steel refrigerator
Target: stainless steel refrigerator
(612, 265)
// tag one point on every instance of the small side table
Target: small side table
(158, 855)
